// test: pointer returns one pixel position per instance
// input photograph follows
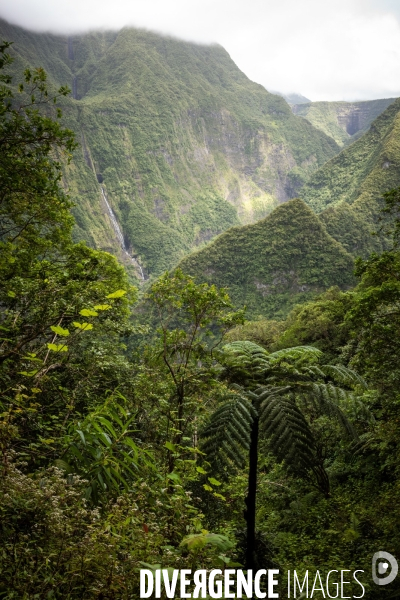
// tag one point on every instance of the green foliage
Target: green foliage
(33, 208)
(101, 450)
(286, 258)
(227, 434)
(192, 320)
(187, 146)
(343, 121)
(279, 385)
(141, 416)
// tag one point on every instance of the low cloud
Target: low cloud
(347, 49)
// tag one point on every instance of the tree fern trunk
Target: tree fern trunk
(250, 513)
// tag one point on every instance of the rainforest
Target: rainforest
(199, 326)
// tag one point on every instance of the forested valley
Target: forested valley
(167, 427)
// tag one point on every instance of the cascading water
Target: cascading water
(119, 234)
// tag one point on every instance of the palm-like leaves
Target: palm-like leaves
(227, 435)
(278, 385)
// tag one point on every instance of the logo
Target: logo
(381, 562)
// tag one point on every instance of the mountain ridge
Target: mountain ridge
(344, 121)
(184, 144)
(269, 266)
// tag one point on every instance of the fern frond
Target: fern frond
(329, 398)
(246, 356)
(283, 424)
(343, 375)
(226, 437)
(298, 354)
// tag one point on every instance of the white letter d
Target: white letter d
(143, 574)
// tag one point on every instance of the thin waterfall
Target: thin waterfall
(119, 234)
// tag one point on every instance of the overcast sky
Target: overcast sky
(323, 49)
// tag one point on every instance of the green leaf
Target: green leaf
(28, 373)
(201, 470)
(214, 481)
(83, 326)
(220, 496)
(87, 312)
(174, 477)
(171, 447)
(59, 330)
(208, 488)
(117, 294)
(31, 358)
(103, 306)
(58, 347)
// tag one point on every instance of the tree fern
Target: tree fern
(226, 438)
(277, 386)
(289, 435)
(272, 390)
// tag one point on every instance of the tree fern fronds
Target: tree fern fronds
(290, 437)
(226, 437)
(329, 398)
(363, 443)
(343, 375)
(245, 356)
(300, 354)
(315, 371)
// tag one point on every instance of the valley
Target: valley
(200, 334)
(184, 144)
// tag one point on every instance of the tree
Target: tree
(270, 398)
(64, 307)
(374, 318)
(192, 320)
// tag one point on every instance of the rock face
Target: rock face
(343, 121)
(183, 144)
(348, 189)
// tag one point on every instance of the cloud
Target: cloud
(332, 50)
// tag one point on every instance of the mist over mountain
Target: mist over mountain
(345, 122)
(293, 98)
(182, 142)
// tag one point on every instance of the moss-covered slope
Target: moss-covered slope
(348, 189)
(270, 265)
(185, 144)
(345, 122)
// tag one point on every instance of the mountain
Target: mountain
(271, 265)
(176, 143)
(343, 121)
(293, 98)
(347, 190)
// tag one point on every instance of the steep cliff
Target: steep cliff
(183, 143)
(343, 121)
(348, 189)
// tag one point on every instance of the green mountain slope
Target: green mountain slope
(184, 144)
(343, 121)
(293, 98)
(347, 190)
(271, 265)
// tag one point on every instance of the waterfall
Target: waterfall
(119, 234)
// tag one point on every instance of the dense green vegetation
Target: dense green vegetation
(185, 144)
(345, 122)
(270, 265)
(347, 190)
(124, 445)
